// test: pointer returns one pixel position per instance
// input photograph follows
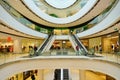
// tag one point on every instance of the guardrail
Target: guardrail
(10, 57)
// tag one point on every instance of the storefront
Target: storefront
(96, 43)
(6, 45)
(110, 43)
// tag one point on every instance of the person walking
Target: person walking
(77, 49)
(33, 77)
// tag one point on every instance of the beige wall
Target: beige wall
(95, 42)
(108, 42)
(106, 45)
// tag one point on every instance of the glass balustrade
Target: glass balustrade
(96, 20)
(23, 20)
(67, 53)
(36, 27)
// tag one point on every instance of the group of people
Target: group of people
(33, 74)
(32, 50)
(6, 48)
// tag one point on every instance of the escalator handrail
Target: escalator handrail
(48, 43)
(43, 45)
(80, 44)
(72, 39)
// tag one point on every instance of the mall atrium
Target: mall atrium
(59, 39)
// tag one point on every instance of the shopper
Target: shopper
(31, 50)
(33, 77)
(77, 49)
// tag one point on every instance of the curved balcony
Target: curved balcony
(111, 18)
(96, 20)
(13, 18)
(26, 22)
(32, 6)
(57, 62)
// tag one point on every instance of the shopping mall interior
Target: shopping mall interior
(59, 40)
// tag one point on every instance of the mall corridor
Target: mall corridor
(59, 40)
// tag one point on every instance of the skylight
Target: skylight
(60, 3)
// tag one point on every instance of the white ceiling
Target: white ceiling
(98, 8)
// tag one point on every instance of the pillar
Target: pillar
(40, 74)
(20, 76)
(119, 39)
(82, 75)
(17, 46)
(61, 77)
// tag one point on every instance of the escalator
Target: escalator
(76, 41)
(57, 74)
(49, 44)
(72, 42)
(61, 74)
(41, 49)
(65, 74)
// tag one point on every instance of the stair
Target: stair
(65, 74)
(58, 74)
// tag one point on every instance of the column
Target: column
(82, 75)
(119, 39)
(61, 78)
(17, 46)
(40, 75)
(19, 76)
